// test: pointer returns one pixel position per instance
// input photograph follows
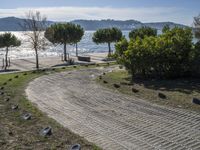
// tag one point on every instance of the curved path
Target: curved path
(110, 119)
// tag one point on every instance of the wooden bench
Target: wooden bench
(84, 58)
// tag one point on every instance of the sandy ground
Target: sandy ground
(112, 120)
(46, 62)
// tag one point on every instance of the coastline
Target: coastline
(27, 64)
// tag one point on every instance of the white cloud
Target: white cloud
(149, 14)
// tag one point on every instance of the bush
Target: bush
(170, 55)
(142, 32)
(196, 60)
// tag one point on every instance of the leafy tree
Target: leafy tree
(121, 46)
(35, 24)
(108, 35)
(8, 40)
(79, 32)
(166, 28)
(68, 33)
(196, 60)
(196, 54)
(197, 26)
(165, 56)
(142, 32)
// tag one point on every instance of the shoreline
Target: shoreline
(57, 55)
(27, 64)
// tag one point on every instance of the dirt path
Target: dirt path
(110, 119)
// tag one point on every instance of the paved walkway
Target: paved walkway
(47, 62)
(110, 119)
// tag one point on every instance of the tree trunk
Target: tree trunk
(6, 58)
(37, 59)
(65, 52)
(109, 52)
(76, 50)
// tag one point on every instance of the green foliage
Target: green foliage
(68, 33)
(121, 46)
(197, 26)
(9, 40)
(108, 35)
(166, 28)
(169, 55)
(196, 60)
(142, 32)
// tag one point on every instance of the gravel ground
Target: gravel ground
(109, 119)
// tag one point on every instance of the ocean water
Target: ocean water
(86, 45)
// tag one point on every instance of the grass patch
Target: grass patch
(179, 93)
(16, 133)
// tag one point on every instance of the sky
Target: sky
(179, 11)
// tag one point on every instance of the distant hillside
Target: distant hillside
(160, 25)
(123, 25)
(12, 24)
(97, 24)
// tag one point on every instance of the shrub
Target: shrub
(170, 55)
(142, 32)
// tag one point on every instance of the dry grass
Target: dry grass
(179, 92)
(16, 133)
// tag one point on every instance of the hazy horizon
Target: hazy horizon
(95, 20)
(178, 11)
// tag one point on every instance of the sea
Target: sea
(85, 46)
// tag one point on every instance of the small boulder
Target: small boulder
(74, 66)
(105, 82)
(196, 101)
(100, 77)
(2, 88)
(63, 68)
(26, 116)
(14, 107)
(104, 73)
(10, 79)
(135, 90)
(46, 131)
(10, 133)
(116, 86)
(161, 95)
(6, 99)
(108, 64)
(120, 67)
(76, 147)
(5, 83)
(25, 74)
